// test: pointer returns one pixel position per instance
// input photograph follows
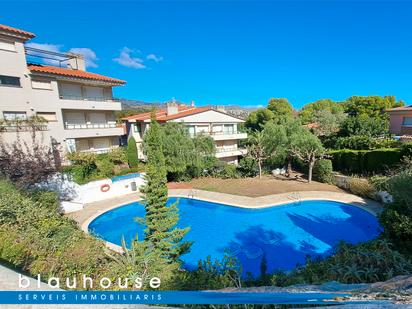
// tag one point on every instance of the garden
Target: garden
(317, 141)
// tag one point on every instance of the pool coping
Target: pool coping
(94, 210)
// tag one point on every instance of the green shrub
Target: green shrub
(368, 262)
(46, 199)
(131, 153)
(365, 161)
(362, 142)
(357, 142)
(406, 150)
(41, 241)
(380, 183)
(248, 167)
(323, 171)
(105, 167)
(228, 171)
(117, 155)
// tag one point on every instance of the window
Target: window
(13, 116)
(7, 45)
(9, 81)
(407, 121)
(50, 117)
(136, 128)
(41, 84)
(229, 129)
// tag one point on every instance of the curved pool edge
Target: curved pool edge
(275, 200)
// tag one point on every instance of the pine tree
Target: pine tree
(161, 232)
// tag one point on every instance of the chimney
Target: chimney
(192, 103)
(172, 108)
(220, 108)
(76, 62)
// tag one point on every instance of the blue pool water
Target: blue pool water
(124, 177)
(285, 234)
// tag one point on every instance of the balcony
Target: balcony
(92, 130)
(90, 103)
(22, 128)
(225, 152)
(223, 136)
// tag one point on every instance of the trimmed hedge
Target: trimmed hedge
(365, 161)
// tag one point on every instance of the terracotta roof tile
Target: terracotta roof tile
(161, 114)
(73, 73)
(18, 31)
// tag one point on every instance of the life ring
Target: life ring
(105, 188)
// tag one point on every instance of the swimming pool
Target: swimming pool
(124, 177)
(284, 234)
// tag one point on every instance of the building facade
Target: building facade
(401, 122)
(78, 105)
(222, 127)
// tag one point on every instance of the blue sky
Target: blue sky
(222, 53)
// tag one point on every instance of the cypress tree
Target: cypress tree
(161, 232)
(131, 152)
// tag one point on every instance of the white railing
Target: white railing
(228, 149)
(69, 126)
(98, 151)
(80, 98)
(207, 133)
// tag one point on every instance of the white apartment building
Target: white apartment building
(78, 105)
(222, 127)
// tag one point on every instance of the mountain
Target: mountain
(142, 106)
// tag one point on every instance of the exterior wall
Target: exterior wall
(221, 127)
(89, 99)
(396, 121)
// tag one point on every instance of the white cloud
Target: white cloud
(89, 55)
(125, 59)
(45, 46)
(154, 58)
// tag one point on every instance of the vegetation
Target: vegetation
(308, 148)
(25, 164)
(87, 166)
(131, 153)
(368, 262)
(35, 238)
(323, 171)
(397, 216)
(365, 161)
(161, 233)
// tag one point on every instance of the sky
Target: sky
(232, 52)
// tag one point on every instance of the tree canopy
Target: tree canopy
(310, 112)
(372, 106)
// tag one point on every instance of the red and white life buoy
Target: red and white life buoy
(105, 188)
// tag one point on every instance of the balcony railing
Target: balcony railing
(227, 149)
(22, 128)
(98, 150)
(81, 98)
(220, 133)
(68, 126)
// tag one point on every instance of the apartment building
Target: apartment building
(222, 127)
(78, 105)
